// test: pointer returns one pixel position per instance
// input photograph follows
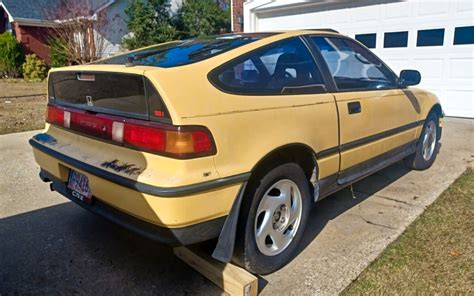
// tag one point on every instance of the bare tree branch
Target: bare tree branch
(81, 29)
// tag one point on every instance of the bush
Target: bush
(11, 56)
(149, 22)
(202, 18)
(34, 68)
(58, 53)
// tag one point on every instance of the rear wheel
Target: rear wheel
(273, 218)
(427, 147)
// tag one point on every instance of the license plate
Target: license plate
(79, 185)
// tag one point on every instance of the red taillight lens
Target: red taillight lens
(55, 115)
(144, 137)
(169, 140)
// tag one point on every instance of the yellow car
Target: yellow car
(231, 137)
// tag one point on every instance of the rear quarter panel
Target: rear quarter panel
(246, 128)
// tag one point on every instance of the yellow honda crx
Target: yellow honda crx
(231, 137)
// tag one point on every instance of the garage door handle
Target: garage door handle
(354, 107)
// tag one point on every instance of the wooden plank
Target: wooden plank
(230, 278)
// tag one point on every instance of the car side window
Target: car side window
(285, 67)
(352, 66)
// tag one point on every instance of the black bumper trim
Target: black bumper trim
(171, 236)
(143, 187)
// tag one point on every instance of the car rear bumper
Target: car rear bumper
(166, 207)
(171, 236)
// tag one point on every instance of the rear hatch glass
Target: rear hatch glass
(127, 95)
(184, 52)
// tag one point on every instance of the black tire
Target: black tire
(247, 253)
(417, 161)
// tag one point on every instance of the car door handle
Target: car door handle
(354, 107)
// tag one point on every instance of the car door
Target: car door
(375, 116)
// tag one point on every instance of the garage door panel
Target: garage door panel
(459, 103)
(430, 68)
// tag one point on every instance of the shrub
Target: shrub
(58, 53)
(202, 18)
(11, 56)
(34, 68)
(149, 22)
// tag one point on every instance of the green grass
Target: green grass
(435, 254)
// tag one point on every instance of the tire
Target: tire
(272, 219)
(427, 147)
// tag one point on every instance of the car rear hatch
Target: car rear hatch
(122, 94)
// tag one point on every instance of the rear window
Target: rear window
(183, 52)
(110, 93)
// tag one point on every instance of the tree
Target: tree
(82, 30)
(202, 18)
(149, 22)
(11, 56)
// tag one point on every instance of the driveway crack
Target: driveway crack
(374, 223)
(386, 197)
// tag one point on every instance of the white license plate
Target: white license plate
(79, 185)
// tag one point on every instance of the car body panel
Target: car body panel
(377, 116)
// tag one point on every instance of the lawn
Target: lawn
(435, 254)
(19, 114)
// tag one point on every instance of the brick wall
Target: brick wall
(238, 15)
(34, 40)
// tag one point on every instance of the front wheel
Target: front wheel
(428, 145)
(272, 220)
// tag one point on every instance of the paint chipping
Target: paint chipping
(127, 168)
(45, 139)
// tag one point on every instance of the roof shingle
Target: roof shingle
(41, 9)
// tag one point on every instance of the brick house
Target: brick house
(28, 21)
(237, 14)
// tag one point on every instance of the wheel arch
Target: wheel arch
(437, 109)
(299, 153)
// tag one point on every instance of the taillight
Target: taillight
(169, 140)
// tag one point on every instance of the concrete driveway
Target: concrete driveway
(51, 246)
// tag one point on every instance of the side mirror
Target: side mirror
(409, 77)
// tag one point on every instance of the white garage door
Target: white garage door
(434, 37)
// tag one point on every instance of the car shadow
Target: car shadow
(340, 202)
(64, 249)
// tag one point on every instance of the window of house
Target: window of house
(285, 67)
(433, 37)
(352, 66)
(395, 39)
(464, 35)
(368, 40)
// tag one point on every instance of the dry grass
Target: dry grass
(19, 114)
(435, 255)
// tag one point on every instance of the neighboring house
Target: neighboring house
(435, 37)
(30, 21)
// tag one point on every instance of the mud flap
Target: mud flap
(225, 245)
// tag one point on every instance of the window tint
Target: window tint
(368, 40)
(285, 67)
(395, 39)
(464, 35)
(352, 66)
(430, 37)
